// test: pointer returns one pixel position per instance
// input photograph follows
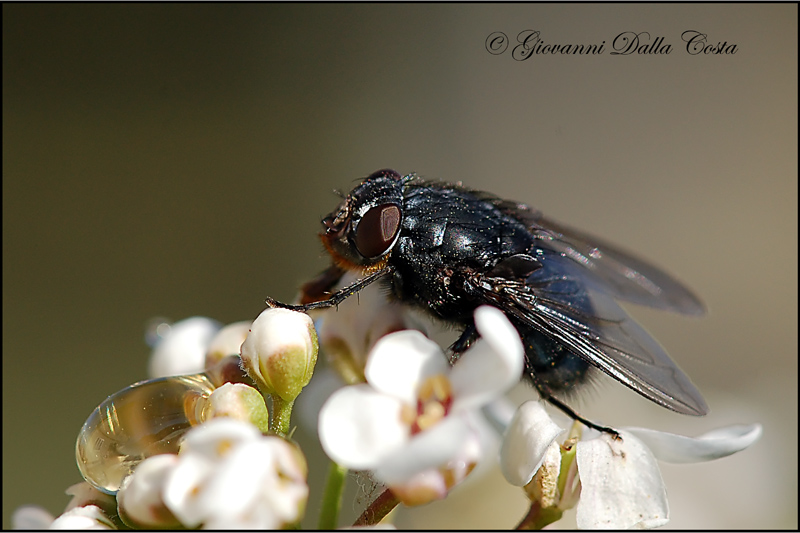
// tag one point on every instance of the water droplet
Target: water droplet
(148, 418)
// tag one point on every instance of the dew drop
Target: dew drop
(145, 419)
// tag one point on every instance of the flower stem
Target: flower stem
(281, 415)
(378, 509)
(538, 517)
(332, 498)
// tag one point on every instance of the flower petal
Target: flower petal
(235, 484)
(529, 434)
(183, 485)
(715, 444)
(289, 494)
(494, 363)
(358, 426)
(493, 326)
(216, 437)
(400, 360)
(423, 487)
(308, 405)
(139, 498)
(31, 517)
(429, 449)
(621, 486)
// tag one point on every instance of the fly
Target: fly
(448, 249)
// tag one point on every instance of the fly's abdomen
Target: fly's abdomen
(550, 365)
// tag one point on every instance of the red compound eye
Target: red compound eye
(377, 229)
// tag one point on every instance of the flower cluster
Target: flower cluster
(226, 476)
(408, 416)
(411, 422)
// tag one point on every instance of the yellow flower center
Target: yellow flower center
(434, 399)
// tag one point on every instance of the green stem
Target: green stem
(281, 415)
(332, 498)
(567, 458)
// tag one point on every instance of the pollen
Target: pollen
(224, 447)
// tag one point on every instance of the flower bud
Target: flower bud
(31, 517)
(237, 400)
(227, 341)
(89, 517)
(280, 352)
(84, 494)
(181, 348)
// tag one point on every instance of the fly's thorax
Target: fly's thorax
(447, 237)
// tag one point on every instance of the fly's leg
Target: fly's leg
(320, 287)
(575, 416)
(468, 336)
(337, 297)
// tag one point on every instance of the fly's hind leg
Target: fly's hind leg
(575, 416)
(554, 369)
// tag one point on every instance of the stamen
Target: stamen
(433, 403)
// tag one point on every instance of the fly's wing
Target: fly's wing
(604, 267)
(591, 324)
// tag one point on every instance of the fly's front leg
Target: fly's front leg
(336, 298)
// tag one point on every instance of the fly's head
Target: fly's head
(361, 233)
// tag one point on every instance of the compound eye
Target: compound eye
(377, 229)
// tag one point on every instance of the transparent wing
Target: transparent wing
(593, 326)
(620, 274)
(604, 267)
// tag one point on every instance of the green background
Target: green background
(175, 160)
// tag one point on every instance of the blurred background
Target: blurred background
(171, 160)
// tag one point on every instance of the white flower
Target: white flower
(413, 415)
(229, 476)
(620, 483)
(180, 348)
